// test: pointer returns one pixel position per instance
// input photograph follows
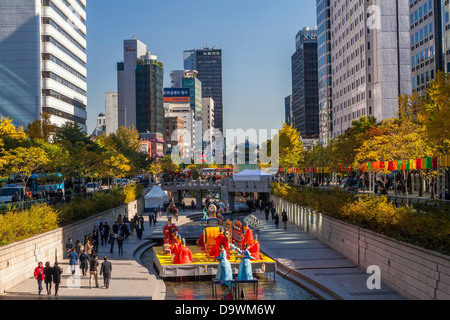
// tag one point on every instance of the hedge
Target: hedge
(16, 225)
(421, 225)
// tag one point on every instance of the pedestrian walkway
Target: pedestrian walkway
(307, 261)
(326, 273)
(130, 280)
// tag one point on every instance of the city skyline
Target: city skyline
(251, 69)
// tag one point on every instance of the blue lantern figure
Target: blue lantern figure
(245, 267)
(224, 272)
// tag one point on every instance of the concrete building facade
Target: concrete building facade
(371, 59)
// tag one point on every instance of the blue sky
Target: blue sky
(257, 38)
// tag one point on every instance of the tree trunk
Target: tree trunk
(405, 182)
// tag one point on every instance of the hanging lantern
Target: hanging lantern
(206, 268)
(263, 267)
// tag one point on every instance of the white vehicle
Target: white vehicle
(7, 192)
(92, 187)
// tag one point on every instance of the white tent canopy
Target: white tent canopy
(251, 175)
(156, 197)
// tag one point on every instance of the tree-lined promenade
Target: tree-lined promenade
(420, 131)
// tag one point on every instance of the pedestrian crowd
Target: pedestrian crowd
(84, 254)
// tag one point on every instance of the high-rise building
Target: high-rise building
(43, 61)
(427, 54)
(305, 98)
(371, 59)
(140, 89)
(176, 77)
(111, 112)
(191, 82)
(126, 81)
(325, 72)
(149, 95)
(446, 31)
(207, 114)
(288, 110)
(208, 63)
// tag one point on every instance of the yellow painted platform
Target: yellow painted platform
(202, 266)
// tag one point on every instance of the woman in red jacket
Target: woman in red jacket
(39, 275)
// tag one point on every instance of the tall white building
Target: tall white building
(371, 59)
(43, 60)
(111, 111)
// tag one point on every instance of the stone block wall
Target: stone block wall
(414, 272)
(18, 260)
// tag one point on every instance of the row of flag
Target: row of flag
(402, 165)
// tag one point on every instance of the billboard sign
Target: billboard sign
(177, 95)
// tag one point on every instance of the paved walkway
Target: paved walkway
(292, 248)
(130, 280)
(326, 272)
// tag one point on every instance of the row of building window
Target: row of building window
(63, 49)
(64, 33)
(64, 115)
(48, 56)
(421, 34)
(51, 75)
(420, 12)
(61, 97)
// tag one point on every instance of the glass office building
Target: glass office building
(191, 82)
(426, 42)
(208, 63)
(305, 98)
(43, 61)
(149, 95)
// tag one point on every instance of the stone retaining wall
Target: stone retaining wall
(18, 260)
(414, 272)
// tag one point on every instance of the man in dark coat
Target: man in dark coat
(57, 276)
(106, 270)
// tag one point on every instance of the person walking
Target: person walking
(73, 260)
(105, 233)
(95, 238)
(273, 211)
(48, 277)
(106, 269)
(39, 276)
(277, 220)
(79, 247)
(132, 226)
(69, 246)
(57, 271)
(84, 263)
(139, 228)
(112, 239)
(93, 266)
(89, 248)
(284, 218)
(120, 243)
(267, 211)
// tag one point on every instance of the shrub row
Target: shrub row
(422, 225)
(19, 225)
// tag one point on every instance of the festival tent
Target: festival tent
(155, 198)
(251, 175)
